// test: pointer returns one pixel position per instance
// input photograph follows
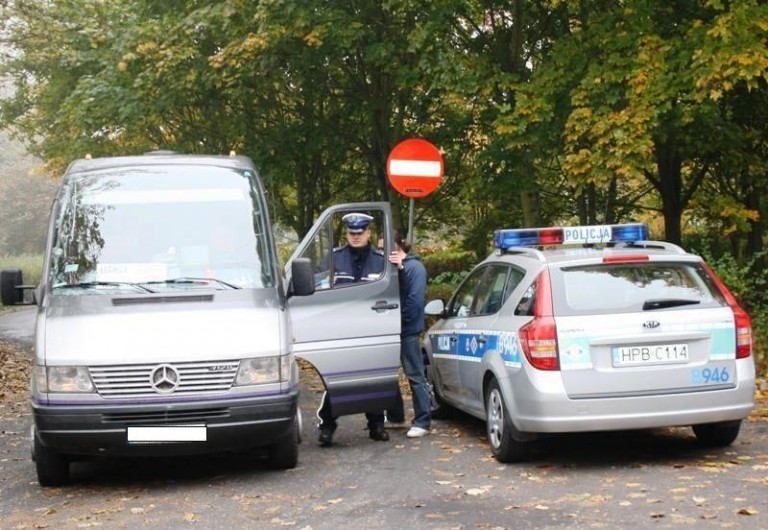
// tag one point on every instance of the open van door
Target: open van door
(350, 330)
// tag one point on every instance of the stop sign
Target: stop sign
(415, 168)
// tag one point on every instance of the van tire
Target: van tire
(500, 429)
(9, 279)
(720, 434)
(52, 468)
(284, 454)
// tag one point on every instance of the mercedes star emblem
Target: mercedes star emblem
(164, 379)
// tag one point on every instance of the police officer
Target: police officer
(357, 261)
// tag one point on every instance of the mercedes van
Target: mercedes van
(165, 325)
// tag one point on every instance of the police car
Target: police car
(591, 328)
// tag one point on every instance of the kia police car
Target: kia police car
(591, 329)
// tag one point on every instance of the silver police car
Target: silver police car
(591, 328)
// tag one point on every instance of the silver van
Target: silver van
(166, 327)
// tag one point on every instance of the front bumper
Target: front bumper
(230, 425)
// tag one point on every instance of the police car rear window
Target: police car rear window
(630, 287)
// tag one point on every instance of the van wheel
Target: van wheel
(500, 429)
(52, 468)
(717, 434)
(284, 454)
(9, 279)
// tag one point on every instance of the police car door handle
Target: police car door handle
(383, 305)
(454, 338)
(481, 339)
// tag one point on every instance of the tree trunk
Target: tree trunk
(670, 186)
(530, 202)
(756, 201)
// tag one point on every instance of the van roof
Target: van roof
(157, 158)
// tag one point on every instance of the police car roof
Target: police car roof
(564, 256)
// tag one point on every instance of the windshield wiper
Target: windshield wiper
(87, 285)
(188, 280)
(662, 303)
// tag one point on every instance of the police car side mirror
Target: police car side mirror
(302, 278)
(435, 308)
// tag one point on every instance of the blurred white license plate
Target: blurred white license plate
(651, 354)
(168, 433)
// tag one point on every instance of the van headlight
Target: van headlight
(67, 379)
(264, 370)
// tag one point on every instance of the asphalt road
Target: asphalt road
(448, 480)
(18, 324)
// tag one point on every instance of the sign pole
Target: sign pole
(411, 239)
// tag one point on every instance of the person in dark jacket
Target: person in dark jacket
(357, 261)
(413, 291)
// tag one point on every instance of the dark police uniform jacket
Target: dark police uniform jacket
(355, 265)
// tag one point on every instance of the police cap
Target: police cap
(356, 223)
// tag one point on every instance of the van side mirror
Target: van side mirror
(12, 289)
(302, 277)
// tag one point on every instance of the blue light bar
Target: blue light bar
(569, 235)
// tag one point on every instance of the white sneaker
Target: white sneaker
(417, 432)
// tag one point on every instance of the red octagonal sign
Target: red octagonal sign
(415, 168)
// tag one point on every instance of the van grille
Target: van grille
(120, 381)
(166, 416)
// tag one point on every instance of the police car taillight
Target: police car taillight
(740, 317)
(538, 337)
(743, 333)
(569, 235)
(539, 341)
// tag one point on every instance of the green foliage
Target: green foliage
(546, 112)
(446, 269)
(629, 98)
(749, 284)
(444, 263)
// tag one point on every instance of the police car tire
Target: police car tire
(500, 428)
(284, 454)
(9, 279)
(52, 468)
(717, 434)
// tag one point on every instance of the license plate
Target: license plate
(167, 433)
(651, 354)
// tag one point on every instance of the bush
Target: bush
(750, 287)
(441, 264)
(446, 269)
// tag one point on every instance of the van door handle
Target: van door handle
(383, 305)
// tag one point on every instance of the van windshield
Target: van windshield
(158, 228)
